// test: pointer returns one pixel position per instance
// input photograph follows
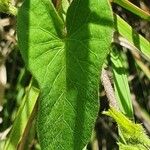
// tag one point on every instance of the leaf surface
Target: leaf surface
(134, 134)
(23, 118)
(139, 42)
(66, 59)
(121, 86)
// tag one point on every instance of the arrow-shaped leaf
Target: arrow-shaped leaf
(66, 59)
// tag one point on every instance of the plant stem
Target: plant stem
(134, 9)
(109, 89)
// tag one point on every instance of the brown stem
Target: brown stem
(109, 89)
(57, 3)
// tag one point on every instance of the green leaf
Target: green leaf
(7, 7)
(134, 134)
(4, 5)
(131, 147)
(66, 61)
(139, 42)
(133, 8)
(23, 118)
(121, 85)
(64, 7)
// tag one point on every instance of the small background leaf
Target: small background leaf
(133, 8)
(23, 118)
(121, 85)
(134, 134)
(132, 36)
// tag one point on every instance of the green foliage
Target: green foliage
(131, 147)
(134, 134)
(23, 118)
(64, 47)
(66, 59)
(6, 6)
(121, 85)
(134, 9)
(139, 43)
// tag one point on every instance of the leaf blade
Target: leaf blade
(23, 117)
(65, 69)
(141, 44)
(134, 134)
(121, 86)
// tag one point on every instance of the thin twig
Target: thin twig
(109, 89)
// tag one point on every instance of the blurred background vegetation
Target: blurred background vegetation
(15, 80)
